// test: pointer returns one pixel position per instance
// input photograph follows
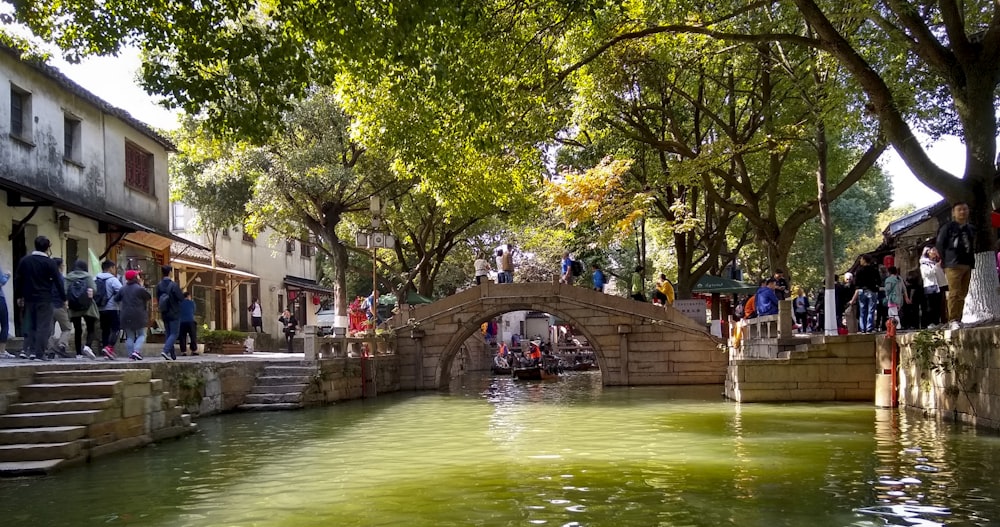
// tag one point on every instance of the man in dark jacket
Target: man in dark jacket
(169, 297)
(36, 286)
(956, 243)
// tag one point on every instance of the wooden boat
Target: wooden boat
(582, 366)
(534, 373)
(500, 366)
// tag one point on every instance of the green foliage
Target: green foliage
(214, 337)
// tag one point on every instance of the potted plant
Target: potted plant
(223, 341)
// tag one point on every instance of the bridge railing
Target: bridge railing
(762, 337)
(330, 347)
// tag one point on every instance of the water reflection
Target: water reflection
(492, 451)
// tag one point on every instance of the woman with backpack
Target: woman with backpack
(82, 309)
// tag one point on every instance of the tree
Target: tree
(312, 176)
(211, 177)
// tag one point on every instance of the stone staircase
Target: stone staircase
(279, 387)
(68, 417)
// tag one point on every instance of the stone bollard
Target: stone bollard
(309, 343)
(785, 318)
(850, 319)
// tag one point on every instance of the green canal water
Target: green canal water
(563, 453)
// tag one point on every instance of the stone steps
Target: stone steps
(40, 451)
(67, 417)
(273, 398)
(279, 380)
(61, 406)
(270, 407)
(34, 468)
(47, 434)
(46, 419)
(36, 393)
(279, 387)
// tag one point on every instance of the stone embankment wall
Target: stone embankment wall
(207, 387)
(968, 392)
(818, 368)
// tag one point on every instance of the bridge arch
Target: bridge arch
(635, 343)
(474, 325)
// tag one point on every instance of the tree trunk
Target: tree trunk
(339, 264)
(982, 304)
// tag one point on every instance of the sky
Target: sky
(114, 79)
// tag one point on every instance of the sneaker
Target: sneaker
(5, 355)
(165, 356)
(955, 325)
(109, 352)
(43, 357)
(22, 355)
(89, 353)
(61, 351)
(135, 356)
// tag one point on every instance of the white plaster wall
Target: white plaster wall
(150, 209)
(97, 179)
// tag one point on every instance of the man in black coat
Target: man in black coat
(36, 283)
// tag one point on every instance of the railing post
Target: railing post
(309, 343)
(785, 318)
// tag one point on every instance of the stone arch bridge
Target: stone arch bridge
(636, 343)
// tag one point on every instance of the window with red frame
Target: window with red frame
(138, 169)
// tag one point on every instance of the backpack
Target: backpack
(576, 267)
(164, 302)
(100, 292)
(77, 295)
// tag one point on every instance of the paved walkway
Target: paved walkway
(155, 357)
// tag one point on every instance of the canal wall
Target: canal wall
(207, 385)
(953, 375)
(814, 368)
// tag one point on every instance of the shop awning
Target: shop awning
(306, 284)
(151, 237)
(726, 286)
(202, 267)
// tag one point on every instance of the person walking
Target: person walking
(636, 285)
(956, 243)
(566, 269)
(930, 273)
(106, 289)
(867, 282)
(256, 316)
(597, 278)
(482, 269)
(57, 345)
(188, 328)
(288, 324)
(4, 317)
(169, 298)
(133, 301)
(83, 310)
(34, 289)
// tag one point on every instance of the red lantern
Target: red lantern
(315, 300)
(292, 295)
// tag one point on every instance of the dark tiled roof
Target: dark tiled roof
(65, 82)
(195, 254)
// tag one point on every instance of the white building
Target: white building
(281, 273)
(82, 172)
